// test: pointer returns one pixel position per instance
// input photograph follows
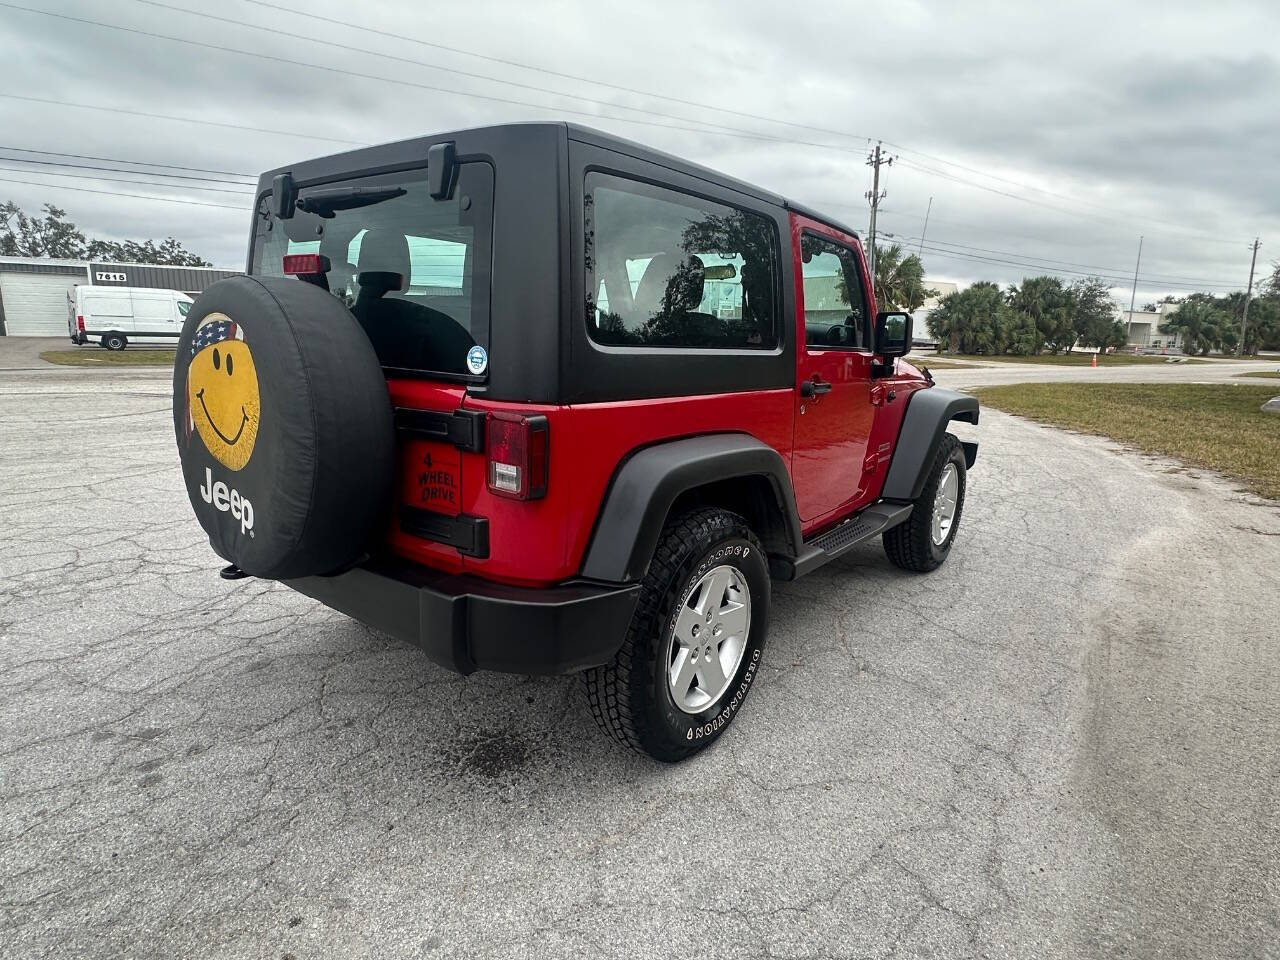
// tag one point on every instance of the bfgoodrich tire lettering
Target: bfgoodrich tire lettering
(912, 545)
(631, 697)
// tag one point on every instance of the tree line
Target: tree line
(1207, 323)
(51, 234)
(1044, 314)
(1039, 314)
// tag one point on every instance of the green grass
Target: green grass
(1069, 359)
(1270, 374)
(1217, 426)
(103, 358)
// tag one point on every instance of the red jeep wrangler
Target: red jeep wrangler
(540, 400)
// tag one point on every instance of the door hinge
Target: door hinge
(463, 428)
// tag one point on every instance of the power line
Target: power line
(1017, 183)
(381, 79)
(311, 15)
(704, 128)
(136, 163)
(639, 92)
(453, 71)
(633, 90)
(1071, 263)
(967, 225)
(141, 183)
(1074, 213)
(103, 108)
(954, 255)
(90, 166)
(116, 193)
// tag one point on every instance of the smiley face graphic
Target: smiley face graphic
(223, 405)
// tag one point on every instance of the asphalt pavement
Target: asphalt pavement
(1061, 744)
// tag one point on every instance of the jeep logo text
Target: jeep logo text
(227, 500)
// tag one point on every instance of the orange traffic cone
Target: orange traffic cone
(1094, 362)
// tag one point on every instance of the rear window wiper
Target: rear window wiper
(325, 203)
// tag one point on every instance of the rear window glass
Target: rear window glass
(413, 270)
(665, 269)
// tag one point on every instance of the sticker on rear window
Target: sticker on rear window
(477, 360)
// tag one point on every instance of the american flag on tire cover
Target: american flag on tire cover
(215, 328)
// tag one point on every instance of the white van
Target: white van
(118, 316)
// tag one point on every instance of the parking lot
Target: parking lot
(1061, 744)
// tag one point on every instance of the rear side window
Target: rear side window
(413, 270)
(666, 269)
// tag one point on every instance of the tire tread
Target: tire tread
(909, 545)
(611, 688)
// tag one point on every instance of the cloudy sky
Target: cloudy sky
(1049, 136)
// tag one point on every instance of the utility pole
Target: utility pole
(1248, 295)
(1134, 295)
(928, 210)
(875, 161)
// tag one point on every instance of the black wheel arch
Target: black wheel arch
(730, 470)
(923, 427)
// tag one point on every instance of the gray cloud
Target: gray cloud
(1150, 118)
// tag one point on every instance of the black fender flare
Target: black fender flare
(923, 426)
(646, 485)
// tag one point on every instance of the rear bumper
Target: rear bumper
(467, 624)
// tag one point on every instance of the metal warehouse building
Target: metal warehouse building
(33, 291)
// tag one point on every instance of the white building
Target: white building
(1143, 328)
(34, 290)
(920, 329)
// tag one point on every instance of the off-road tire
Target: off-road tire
(630, 696)
(115, 341)
(910, 545)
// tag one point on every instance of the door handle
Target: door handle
(811, 388)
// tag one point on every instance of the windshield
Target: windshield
(413, 270)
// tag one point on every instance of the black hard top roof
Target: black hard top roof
(417, 146)
(641, 152)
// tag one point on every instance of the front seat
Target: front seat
(403, 333)
(667, 299)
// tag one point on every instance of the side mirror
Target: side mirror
(893, 334)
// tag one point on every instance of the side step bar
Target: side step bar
(825, 547)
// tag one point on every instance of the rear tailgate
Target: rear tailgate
(441, 468)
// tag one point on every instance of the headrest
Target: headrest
(385, 251)
(671, 283)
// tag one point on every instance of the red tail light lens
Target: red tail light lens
(305, 263)
(80, 323)
(518, 456)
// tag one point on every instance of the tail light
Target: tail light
(80, 323)
(517, 451)
(305, 263)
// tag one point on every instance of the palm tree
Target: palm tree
(899, 280)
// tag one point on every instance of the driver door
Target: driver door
(833, 410)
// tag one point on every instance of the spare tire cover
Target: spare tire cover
(284, 426)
